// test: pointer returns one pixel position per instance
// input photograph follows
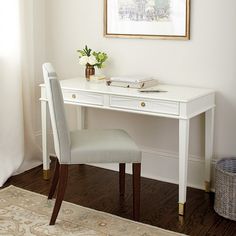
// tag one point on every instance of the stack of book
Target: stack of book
(138, 82)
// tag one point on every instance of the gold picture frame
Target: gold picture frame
(108, 32)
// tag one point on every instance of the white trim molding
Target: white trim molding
(162, 165)
(159, 165)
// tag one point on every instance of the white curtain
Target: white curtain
(18, 149)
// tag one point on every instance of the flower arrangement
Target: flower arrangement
(92, 58)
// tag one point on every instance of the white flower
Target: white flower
(84, 60)
(92, 60)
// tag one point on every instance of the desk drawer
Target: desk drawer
(83, 97)
(155, 106)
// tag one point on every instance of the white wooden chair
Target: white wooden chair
(86, 146)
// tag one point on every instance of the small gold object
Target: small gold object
(181, 220)
(46, 174)
(73, 96)
(181, 209)
(143, 104)
(207, 187)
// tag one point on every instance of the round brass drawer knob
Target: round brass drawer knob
(143, 104)
(73, 96)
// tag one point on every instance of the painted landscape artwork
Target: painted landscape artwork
(144, 10)
(166, 19)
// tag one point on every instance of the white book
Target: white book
(138, 85)
(130, 79)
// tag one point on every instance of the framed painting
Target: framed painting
(163, 19)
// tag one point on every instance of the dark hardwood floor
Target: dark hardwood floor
(99, 189)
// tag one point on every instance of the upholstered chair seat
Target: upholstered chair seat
(103, 146)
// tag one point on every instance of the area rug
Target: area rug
(24, 213)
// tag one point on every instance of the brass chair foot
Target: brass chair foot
(46, 174)
(181, 209)
(207, 187)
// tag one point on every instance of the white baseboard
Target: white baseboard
(159, 165)
(163, 166)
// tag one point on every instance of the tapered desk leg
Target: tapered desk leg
(80, 117)
(183, 163)
(209, 132)
(46, 160)
(80, 121)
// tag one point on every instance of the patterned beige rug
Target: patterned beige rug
(24, 213)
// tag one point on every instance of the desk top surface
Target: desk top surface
(174, 93)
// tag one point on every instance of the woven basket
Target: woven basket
(225, 188)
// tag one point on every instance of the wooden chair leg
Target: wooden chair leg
(63, 175)
(54, 180)
(136, 190)
(122, 178)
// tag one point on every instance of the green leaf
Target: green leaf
(101, 57)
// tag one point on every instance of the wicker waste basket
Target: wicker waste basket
(225, 188)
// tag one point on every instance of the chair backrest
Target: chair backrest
(60, 129)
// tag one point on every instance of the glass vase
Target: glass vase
(89, 70)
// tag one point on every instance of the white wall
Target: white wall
(207, 60)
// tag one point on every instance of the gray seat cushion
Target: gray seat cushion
(103, 146)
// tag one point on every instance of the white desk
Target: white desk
(180, 103)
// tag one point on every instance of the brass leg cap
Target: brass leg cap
(181, 209)
(207, 187)
(46, 174)
(181, 220)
